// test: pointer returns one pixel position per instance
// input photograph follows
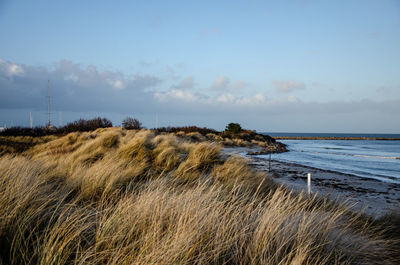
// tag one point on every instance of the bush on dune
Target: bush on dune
(233, 128)
(186, 129)
(80, 125)
(130, 123)
(158, 199)
(83, 125)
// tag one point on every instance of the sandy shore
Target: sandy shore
(374, 196)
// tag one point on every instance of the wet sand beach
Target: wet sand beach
(374, 196)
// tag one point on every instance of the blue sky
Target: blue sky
(297, 66)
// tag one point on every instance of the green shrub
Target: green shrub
(233, 127)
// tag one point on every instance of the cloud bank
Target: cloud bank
(73, 88)
(80, 89)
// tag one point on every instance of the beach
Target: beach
(375, 197)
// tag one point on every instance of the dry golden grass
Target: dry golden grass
(199, 161)
(259, 143)
(235, 171)
(213, 137)
(240, 142)
(130, 197)
(228, 142)
(19, 144)
(196, 136)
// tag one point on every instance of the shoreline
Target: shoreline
(333, 138)
(373, 196)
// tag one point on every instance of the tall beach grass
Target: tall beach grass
(114, 196)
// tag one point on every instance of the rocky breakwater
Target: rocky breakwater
(272, 148)
(267, 145)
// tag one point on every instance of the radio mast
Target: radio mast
(48, 103)
(60, 119)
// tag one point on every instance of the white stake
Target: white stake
(309, 183)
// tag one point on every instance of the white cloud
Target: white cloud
(10, 69)
(286, 86)
(292, 98)
(254, 100)
(259, 98)
(186, 83)
(221, 83)
(225, 98)
(239, 84)
(117, 84)
(183, 95)
(71, 77)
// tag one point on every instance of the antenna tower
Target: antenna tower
(48, 102)
(30, 119)
(60, 123)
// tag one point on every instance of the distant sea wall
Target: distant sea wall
(333, 136)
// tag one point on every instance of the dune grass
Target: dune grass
(20, 144)
(113, 196)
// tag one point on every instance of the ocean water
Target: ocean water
(365, 135)
(378, 159)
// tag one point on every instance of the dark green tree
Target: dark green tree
(233, 127)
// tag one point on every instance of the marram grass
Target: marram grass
(131, 197)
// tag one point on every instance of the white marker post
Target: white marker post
(269, 161)
(309, 183)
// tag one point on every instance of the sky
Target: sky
(272, 66)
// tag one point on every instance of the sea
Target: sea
(377, 159)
